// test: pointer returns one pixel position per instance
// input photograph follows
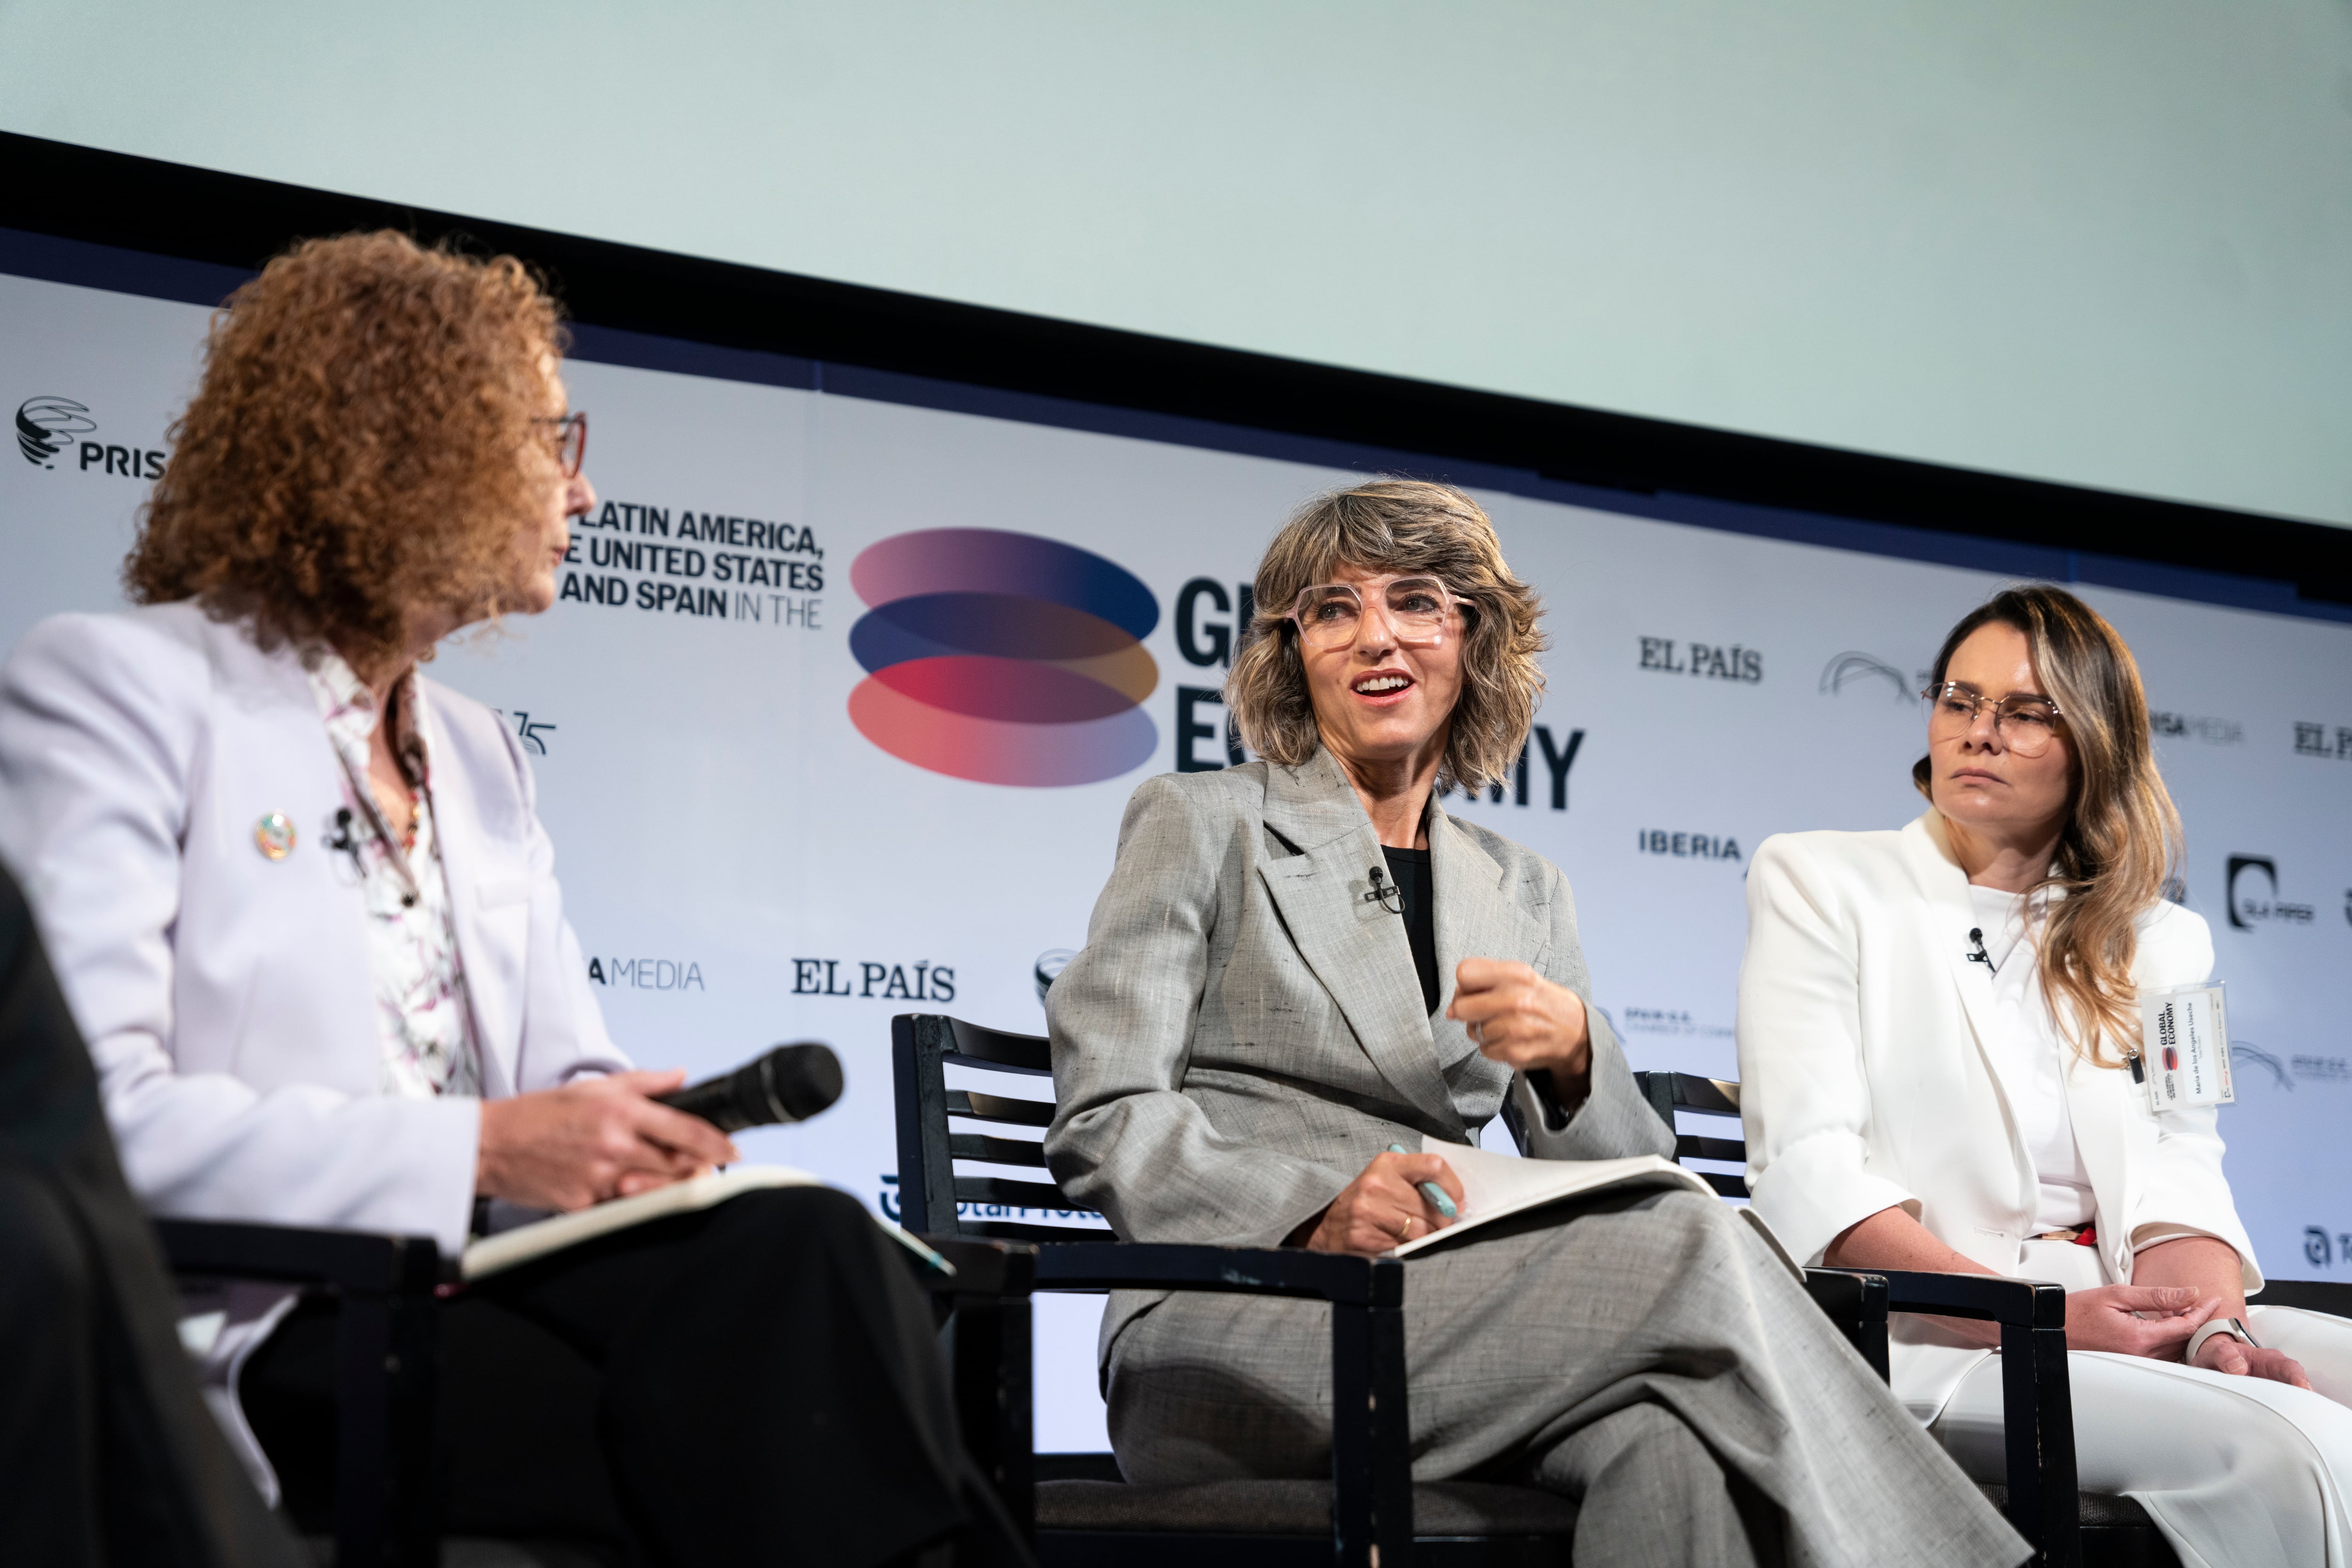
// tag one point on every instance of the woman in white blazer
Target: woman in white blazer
(301, 904)
(1939, 1057)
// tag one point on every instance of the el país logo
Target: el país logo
(1002, 658)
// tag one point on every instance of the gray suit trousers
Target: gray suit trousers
(1649, 1357)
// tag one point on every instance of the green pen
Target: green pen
(1431, 1190)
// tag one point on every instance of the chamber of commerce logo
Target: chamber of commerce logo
(1670, 1021)
(47, 426)
(1002, 658)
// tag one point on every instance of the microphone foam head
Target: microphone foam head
(804, 1077)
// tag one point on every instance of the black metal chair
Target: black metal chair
(1081, 1507)
(2333, 1297)
(2065, 1525)
(387, 1335)
(386, 1340)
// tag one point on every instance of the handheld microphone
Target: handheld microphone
(790, 1083)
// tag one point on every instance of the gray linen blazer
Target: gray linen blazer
(1244, 1031)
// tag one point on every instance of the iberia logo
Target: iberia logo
(1002, 658)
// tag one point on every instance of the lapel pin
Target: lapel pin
(274, 835)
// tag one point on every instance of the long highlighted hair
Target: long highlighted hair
(2122, 842)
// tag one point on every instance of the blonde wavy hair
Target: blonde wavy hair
(351, 455)
(1395, 526)
(2122, 842)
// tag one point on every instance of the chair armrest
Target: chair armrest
(2037, 1403)
(1992, 1298)
(1371, 1461)
(2333, 1297)
(1250, 1270)
(998, 1269)
(1857, 1303)
(984, 1308)
(387, 1337)
(351, 1260)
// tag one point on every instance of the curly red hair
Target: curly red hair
(352, 456)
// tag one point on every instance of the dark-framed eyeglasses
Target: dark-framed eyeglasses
(569, 434)
(2025, 721)
(1329, 615)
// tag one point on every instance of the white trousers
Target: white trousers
(2237, 1472)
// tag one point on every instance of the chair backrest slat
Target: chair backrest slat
(1018, 1230)
(981, 1048)
(979, 1107)
(997, 1151)
(1715, 1096)
(1014, 1195)
(1669, 1093)
(931, 1195)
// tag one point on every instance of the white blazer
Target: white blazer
(1867, 1082)
(226, 996)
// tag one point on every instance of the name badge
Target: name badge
(2185, 1040)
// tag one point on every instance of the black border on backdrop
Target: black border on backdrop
(140, 225)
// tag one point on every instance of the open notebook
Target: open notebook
(1495, 1187)
(522, 1245)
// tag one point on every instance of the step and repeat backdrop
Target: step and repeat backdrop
(842, 698)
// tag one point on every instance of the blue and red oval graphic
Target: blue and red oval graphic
(1002, 658)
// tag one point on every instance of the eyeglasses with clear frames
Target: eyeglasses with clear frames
(1328, 614)
(569, 434)
(2025, 722)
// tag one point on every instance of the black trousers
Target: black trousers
(756, 1383)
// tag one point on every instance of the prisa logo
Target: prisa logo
(1002, 658)
(47, 427)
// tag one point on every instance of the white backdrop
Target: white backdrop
(2107, 245)
(730, 841)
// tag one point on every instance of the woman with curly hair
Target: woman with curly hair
(300, 900)
(1300, 969)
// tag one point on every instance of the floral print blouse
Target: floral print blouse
(424, 1023)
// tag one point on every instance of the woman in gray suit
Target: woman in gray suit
(1303, 961)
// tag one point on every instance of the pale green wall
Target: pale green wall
(2107, 243)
